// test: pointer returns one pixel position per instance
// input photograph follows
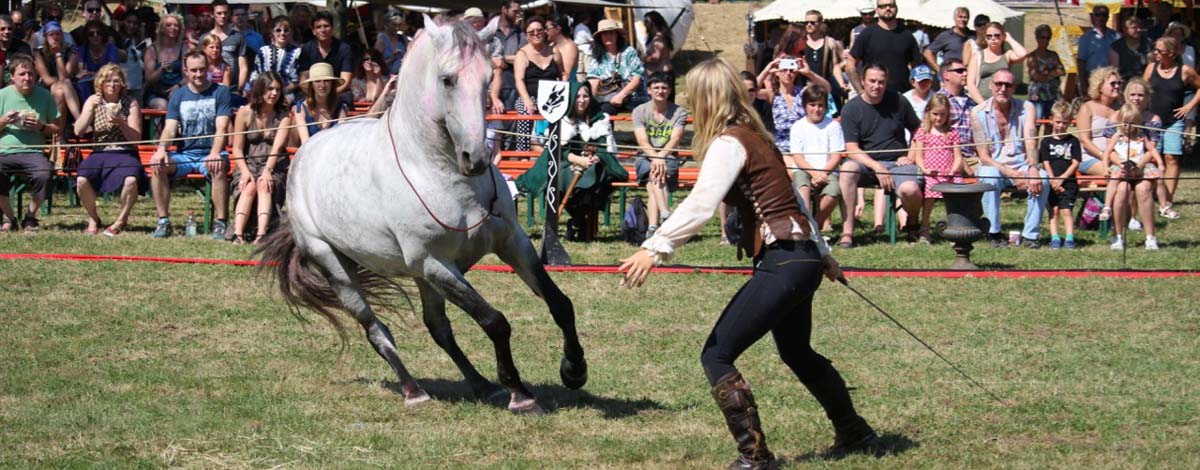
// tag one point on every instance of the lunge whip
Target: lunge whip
(842, 279)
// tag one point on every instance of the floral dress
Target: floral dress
(785, 117)
(938, 160)
(1045, 64)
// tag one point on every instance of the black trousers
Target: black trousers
(34, 166)
(776, 299)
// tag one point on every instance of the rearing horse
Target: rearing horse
(414, 195)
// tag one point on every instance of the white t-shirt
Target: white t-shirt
(815, 141)
(583, 39)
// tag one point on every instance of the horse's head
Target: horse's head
(456, 72)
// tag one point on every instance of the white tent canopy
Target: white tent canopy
(939, 13)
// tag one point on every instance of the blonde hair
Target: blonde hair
(1130, 115)
(1138, 81)
(209, 40)
(1064, 109)
(937, 101)
(1097, 79)
(1170, 43)
(717, 98)
(162, 30)
(110, 71)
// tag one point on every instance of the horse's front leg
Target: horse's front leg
(433, 307)
(520, 254)
(450, 283)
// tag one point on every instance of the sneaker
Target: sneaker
(163, 230)
(1069, 244)
(1118, 243)
(219, 230)
(1135, 225)
(997, 240)
(665, 213)
(1030, 243)
(1055, 243)
(650, 230)
(1151, 243)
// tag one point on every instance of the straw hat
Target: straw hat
(321, 71)
(473, 12)
(608, 25)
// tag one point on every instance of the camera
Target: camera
(788, 64)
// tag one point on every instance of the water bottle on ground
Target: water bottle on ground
(190, 226)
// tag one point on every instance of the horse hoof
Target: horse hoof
(574, 376)
(528, 407)
(416, 399)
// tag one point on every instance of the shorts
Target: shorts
(1087, 162)
(1150, 171)
(190, 162)
(642, 165)
(1066, 198)
(1171, 142)
(900, 174)
(801, 179)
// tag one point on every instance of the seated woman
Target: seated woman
(98, 52)
(112, 116)
(321, 108)
(369, 78)
(587, 149)
(52, 61)
(615, 70)
(164, 62)
(259, 140)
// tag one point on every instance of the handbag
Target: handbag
(608, 87)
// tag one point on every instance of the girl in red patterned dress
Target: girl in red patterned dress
(935, 149)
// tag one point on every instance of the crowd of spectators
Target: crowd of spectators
(880, 110)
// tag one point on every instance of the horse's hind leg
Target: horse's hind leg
(343, 277)
(453, 286)
(433, 306)
(521, 255)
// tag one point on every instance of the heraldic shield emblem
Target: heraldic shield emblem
(552, 99)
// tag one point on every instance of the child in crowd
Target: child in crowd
(818, 147)
(936, 152)
(1061, 155)
(1135, 162)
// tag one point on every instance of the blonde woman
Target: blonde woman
(1095, 119)
(993, 58)
(733, 145)
(112, 117)
(164, 61)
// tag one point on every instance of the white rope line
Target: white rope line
(180, 139)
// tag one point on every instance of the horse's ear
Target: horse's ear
(436, 30)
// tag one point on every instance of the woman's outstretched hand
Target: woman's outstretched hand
(636, 268)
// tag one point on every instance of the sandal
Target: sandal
(846, 242)
(258, 240)
(8, 226)
(1167, 212)
(94, 230)
(113, 230)
(30, 224)
(237, 239)
(1105, 214)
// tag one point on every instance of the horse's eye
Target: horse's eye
(448, 82)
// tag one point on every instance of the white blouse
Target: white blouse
(722, 163)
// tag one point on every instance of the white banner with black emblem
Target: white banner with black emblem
(553, 104)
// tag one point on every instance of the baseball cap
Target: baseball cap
(921, 72)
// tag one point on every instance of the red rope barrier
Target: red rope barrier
(612, 269)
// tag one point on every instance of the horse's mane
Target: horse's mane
(464, 36)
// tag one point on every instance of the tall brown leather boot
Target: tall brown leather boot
(741, 414)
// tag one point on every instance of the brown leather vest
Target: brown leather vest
(762, 193)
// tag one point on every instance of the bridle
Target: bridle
(487, 213)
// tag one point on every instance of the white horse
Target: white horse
(414, 195)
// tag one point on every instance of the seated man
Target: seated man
(27, 116)
(1005, 129)
(875, 121)
(658, 127)
(200, 110)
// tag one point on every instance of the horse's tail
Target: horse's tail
(300, 279)
(303, 284)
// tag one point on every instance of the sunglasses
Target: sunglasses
(282, 30)
(1116, 84)
(1004, 85)
(535, 31)
(993, 36)
(93, 10)
(1161, 51)
(882, 6)
(806, 23)
(957, 70)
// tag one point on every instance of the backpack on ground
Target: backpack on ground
(635, 222)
